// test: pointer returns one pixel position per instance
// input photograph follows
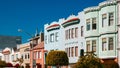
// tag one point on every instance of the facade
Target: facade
(53, 36)
(101, 31)
(68, 35)
(9, 55)
(7, 52)
(73, 36)
(37, 51)
(15, 54)
(38, 54)
(25, 54)
(9, 41)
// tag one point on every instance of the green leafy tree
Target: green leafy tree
(57, 58)
(2, 64)
(90, 60)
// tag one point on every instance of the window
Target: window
(72, 33)
(81, 31)
(28, 56)
(72, 51)
(56, 36)
(40, 54)
(111, 19)
(36, 55)
(25, 56)
(110, 44)
(94, 45)
(88, 24)
(88, 46)
(66, 34)
(46, 39)
(16, 56)
(69, 33)
(93, 23)
(22, 56)
(76, 32)
(104, 20)
(104, 44)
(12, 57)
(52, 37)
(76, 51)
(69, 52)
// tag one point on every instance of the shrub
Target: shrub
(57, 58)
(89, 61)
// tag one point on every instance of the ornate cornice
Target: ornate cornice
(91, 9)
(101, 5)
(71, 22)
(53, 27)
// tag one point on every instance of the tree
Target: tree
(20, 60)
(90, 60)
(57, 58)
(2, 63)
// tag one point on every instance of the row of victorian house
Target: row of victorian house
(31, 52)
(94, 29)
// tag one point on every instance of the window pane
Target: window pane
(88, 24)
(72, 51)
(66, 34)
(76, 51)
(88, 46)
(69, 33)
(72, 33)
(56, 36)
(81, 31)
(69, 52)
(111, 19)
(104, 44)
(94, 45)
(93, 23)
(52, 37)
(110, 44)
(76, 32)
(104, 20)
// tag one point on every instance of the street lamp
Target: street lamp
(20, 30)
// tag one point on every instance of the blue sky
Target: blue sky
(31, 14)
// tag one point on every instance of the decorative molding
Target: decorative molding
(102, 34)
(101, 5)
(91, 9)
(53, 27)
(71, 22)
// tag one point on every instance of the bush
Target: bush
(57, 58)
(89, 61)
(17, 65)
(9, 65)
(2, 63)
